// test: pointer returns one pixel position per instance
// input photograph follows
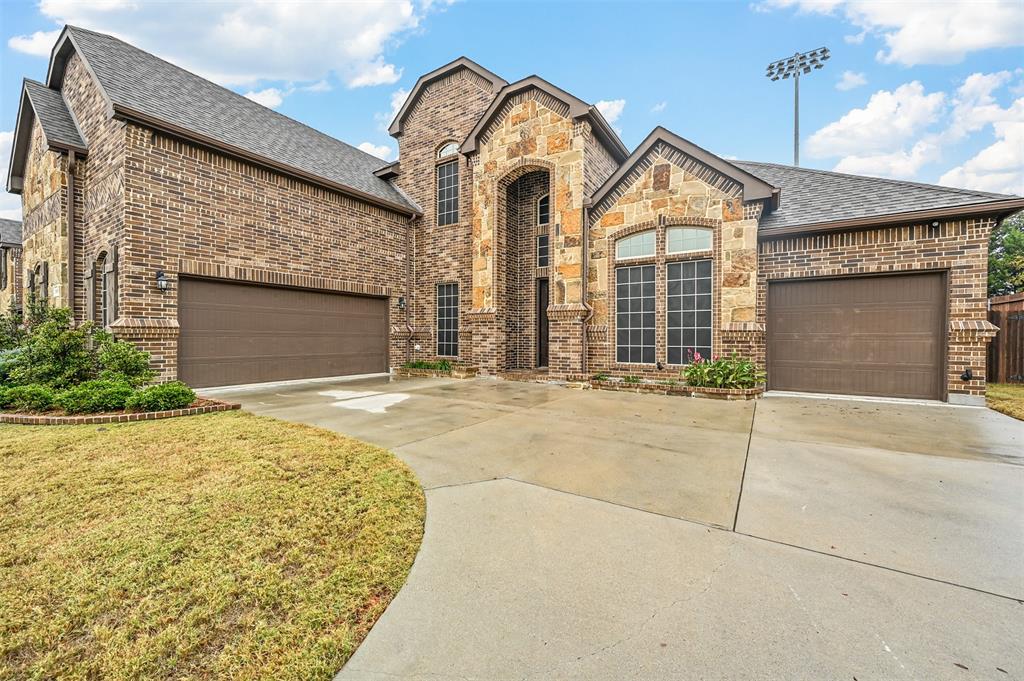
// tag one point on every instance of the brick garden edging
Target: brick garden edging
(682, 390)
(456, 372)
(90, 419)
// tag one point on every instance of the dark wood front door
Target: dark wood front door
(235, 333)
(542, 322)
(877, 335)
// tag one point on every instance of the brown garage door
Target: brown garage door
(241, 333)
(858, 335)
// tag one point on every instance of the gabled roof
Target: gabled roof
(754, 188)
(497, 82)
(822, 200)
(577, 109)
(60, 132)
(141, 87)
(10, 232)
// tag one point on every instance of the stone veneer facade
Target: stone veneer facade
(157, 202)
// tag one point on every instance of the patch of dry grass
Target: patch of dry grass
(220, 546)
(1007, 398)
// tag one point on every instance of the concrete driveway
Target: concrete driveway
(582, 534)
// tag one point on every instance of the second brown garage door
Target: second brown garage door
(858, 335)
(240, 333)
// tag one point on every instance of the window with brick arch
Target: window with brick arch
(101, 288)
(543, 210)
(3, 271)
(447, 176)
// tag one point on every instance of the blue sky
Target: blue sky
(932, 92)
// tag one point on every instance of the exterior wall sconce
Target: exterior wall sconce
(967, 375)
(401, 303)
(162, 282)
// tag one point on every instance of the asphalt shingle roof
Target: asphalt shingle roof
(10, 231)
(815, 196)
(53, 115)
(144, 83)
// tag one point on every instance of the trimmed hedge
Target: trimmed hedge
(172, 395)
(93, 397)
(28, 398)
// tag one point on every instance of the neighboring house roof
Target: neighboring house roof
(754, 188)
(10, 232)
(437, 74)
(145, 88)
(577, 109)
(823, 200)
(60, 132)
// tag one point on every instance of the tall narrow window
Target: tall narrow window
(448, 185)
(448, 320)
(689, 311)
(543, 210)
(3, 271)
(634, 314)
(542, 250)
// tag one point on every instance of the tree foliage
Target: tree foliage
(1006, 257)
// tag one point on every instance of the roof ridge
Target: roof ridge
(222, 87)
(888, 180)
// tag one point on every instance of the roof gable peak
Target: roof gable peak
(424, 81)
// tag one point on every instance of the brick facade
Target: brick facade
(152, 201)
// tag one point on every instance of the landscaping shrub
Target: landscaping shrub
(722, 372)
(93, 397)
(439, 365)
(57, 355)
(631, 379)
(172, 395)
(9, 359)
(27, 398)
(121, 361)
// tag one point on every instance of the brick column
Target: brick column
(565, 340)
(488, 349)
(968, 349)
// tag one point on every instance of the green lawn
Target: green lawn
(222, 546)
(1007, 398)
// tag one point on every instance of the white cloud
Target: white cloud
(384, 118)
(379, 150)
(38, 44)
(659, 107)
(850, 80)
(319, 86)
(271, 97)
(239, 43)
(10, 204)
(924, 32)
(887, 121)
(899, 164)
(611, 109)
(998, 167)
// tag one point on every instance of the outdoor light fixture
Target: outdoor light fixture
(401, 303)
(799, 63)
(162, 282)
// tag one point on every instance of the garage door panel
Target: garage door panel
(859, 335)
(235, 333)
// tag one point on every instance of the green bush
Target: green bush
(631, 379)
(722, 372)
(9, 360)
(57, 355)
(121, 361)
(27, 398)
(172, 395)
(439, 365)
(93, 397)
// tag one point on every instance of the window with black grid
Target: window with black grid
(634, 314)
(689, 311)
(543, 210)
(448, 320)
(448, 193)
(542, 250)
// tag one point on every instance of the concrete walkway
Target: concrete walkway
(614, 536)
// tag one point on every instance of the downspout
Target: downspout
(410, 248)
(72, 163)
(583, 284)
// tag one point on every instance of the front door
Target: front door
(542, 322)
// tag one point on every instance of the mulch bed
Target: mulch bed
(202, 405)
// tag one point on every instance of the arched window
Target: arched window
(637, 246)
(3, 271)
(447, 175)
(101, 288)
(687, 239)
(543, 210)
(39, 282)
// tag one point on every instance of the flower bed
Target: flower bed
(200, 406)
(435, 369)
(675, 388)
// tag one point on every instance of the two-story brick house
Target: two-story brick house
(515, 233)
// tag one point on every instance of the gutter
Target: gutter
(72, 163)
(586, 279)
(176, 131)
(999, 209)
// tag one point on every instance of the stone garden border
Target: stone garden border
(127, 417)
(678, 389)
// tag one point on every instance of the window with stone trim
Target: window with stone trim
(39, 281)
(687, 239)
(688, 290)
(634, 314)
(3, 271)
(448, 193)
(640, 245)
(448, 320)
(542, 250)
(543, 210)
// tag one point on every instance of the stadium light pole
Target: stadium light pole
(793, 67)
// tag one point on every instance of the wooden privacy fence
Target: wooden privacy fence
(1006, 351)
